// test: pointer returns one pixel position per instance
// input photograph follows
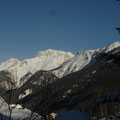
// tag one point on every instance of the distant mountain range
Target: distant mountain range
(59, 62)
(77, 91)
(44, 60)
(61, 81)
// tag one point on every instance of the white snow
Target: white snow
(93, 71)
(25, 93)
(76, 63)
(68, 115)
(44, 60)
(73, 64)
(53, 115)
(81, 60)
(62, 62)
(67, 93)
(25, 78)
(113, 96)
(17, 114)
(16, 106)
(111, 47)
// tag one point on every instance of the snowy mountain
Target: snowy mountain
(82, 59)
(25, 78)
(61, 63)
(75, 64)
(44, 60)
(111, 47)
(38, 80)
(80, 90)
(75, 91)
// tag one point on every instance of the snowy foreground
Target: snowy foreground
(17, 114)
(20, 114)
(69, 115)
(72, 116)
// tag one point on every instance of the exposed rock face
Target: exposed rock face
(6, 81)
(25, 78)
(35, 82)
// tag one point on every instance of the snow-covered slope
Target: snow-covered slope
(39, 79)
(62, 62)
(25, 78)
(111, 47)
(81, 60)
(75, 64)
(44, 60)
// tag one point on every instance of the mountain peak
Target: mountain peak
(44, 60)
(86, 52)
(13, 60)
(115, 44)
(52, 52)
(112, 46)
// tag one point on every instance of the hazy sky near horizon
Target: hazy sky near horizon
(29, 26)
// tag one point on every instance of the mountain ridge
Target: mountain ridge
(45, 60)
(59, 62)
(82, 59)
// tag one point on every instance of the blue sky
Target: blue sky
(29, 26)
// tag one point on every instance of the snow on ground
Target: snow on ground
(16, 106)
(69, 115)
(17, 114)
(25, 93)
